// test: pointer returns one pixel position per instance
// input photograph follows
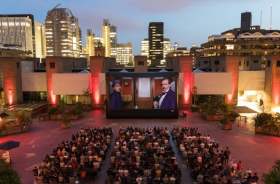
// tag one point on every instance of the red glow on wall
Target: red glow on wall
(53, 98)
(232, 67)
(187, 87)
(95, 90)
(10, 97)
(275, 88)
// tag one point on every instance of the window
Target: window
(217, 62)
(205, 62)
(256, 61)
(278, 64)
(141, 63)
(52, 65)
(268, 63)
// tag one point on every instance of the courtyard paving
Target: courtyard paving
(257, 152)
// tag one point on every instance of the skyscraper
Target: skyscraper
(113, 36)
(18, 31)
(63, 34)
(40, 40)
(246, 21)
(90, 45)
(167, 48)
(123, 53)
(106, 30)
(155, 43)
(145, 49)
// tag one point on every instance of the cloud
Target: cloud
(166, 6)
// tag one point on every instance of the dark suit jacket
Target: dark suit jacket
(169, 101)
(116, 102)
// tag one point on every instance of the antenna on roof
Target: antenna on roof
(270, 18)
(261, 18)
(57, 6)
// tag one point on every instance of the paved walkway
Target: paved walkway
(256, 151)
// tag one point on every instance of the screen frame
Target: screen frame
(140, 113)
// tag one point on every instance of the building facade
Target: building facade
(106, 36)
(63, 33)
(90, 44)
(156, 38)
(17, 32)
(123, 53)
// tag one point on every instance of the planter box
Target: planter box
(216, 117)
(227, 126)
(264, 131)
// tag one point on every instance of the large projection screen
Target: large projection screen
(213, 83)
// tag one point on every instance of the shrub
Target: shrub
(274, 175)
(263, 119)
(7, 174)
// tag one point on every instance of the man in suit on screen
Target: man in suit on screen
(116, 102)
(167, 99)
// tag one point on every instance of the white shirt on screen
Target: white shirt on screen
(161, 99)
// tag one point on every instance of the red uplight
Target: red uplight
(10, 97)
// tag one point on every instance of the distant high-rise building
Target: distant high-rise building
(167, 48)
(17, 31)
(246, 21)
(40, 40)
(145, 49)
(106, 30)
(113, 36)
(90, 45)
(63, 33)
(156, 42)
(123, 53)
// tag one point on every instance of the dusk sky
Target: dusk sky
(186, 21)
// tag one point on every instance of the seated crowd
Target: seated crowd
(143, 156)
(209, 163)
(77, 159)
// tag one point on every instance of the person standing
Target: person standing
(116, 102)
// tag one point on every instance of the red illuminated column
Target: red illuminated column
(96, 68)
(232, 66)
(275, 83)
(51, 68)
(12, 82)
(185, 64)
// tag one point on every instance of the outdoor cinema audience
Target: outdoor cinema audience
(143, 156)
(77, 159)
(209, 163)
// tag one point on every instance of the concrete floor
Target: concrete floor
(257, 152)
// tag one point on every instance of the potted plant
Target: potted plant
(229, 117)
(65, 122)
(262, 122)
(274, 175)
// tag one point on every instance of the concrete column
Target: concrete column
(97, 64)
(186, 77)
(232, 66)
(273, 71)
(12, 81)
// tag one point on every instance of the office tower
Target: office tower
(113, 36)
(63, 34)
(167, 48)
(145, 47)
(123, 53)
(17, 32)
(90, 45)
(155, 43)
(106, 29)
(246, 21)
(40, 40)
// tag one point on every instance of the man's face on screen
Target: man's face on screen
(165, 85)
(117, 87)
